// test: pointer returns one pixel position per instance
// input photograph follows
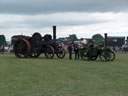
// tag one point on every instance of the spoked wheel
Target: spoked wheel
(84, 54)
(22, 48)
(60, 53)
(104, 56)
(112, 55)
(49, 52)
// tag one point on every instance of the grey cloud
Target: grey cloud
(40, 21)
(51, 6)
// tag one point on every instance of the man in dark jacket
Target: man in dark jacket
(70, 51)
(76, 50)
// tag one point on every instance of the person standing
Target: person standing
(76, 51)
(70, 49)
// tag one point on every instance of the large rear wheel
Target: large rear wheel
(22, 48)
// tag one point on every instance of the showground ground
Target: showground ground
(63, 77)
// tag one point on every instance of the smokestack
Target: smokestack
(105, 39)
(54, 32)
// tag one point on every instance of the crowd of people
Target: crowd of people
(75, 48)
(123, 49)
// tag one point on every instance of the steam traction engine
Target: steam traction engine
(25, 46)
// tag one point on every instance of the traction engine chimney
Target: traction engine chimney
(54, 32)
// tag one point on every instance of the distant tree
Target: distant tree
(61, 39)
(73, 37)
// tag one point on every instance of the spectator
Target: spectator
(76, 50)
(70, 49)
(124, 48)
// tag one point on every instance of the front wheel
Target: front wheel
(60, 53)
(49, 52)
(112, 55)
(104, 56)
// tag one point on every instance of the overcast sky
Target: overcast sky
(82, 17)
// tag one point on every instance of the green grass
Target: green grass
(63, 77)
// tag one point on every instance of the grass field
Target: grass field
(63, 77)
